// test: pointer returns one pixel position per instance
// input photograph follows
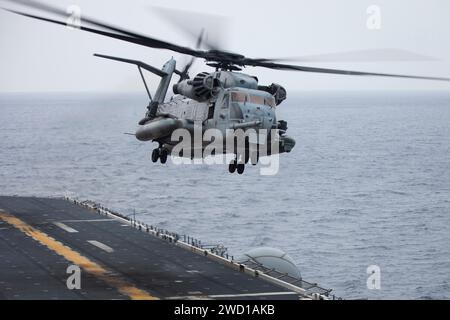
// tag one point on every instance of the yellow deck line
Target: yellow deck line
(107, 276)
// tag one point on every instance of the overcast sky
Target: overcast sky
(37, 56)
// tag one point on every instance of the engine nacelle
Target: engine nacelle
(200, 88)
(204, 84)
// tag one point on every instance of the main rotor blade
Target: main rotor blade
(103, 33)
(222, 57)
(112, 31)
(185, 73)
(278, 66)
(368, 55)
(198, 45)
(191, 22)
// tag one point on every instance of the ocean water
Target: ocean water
(368, 182)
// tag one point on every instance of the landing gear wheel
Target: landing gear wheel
(240, 168)
(232, 166)
(155, 155)
(163, 156)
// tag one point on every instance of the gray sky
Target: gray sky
(37, 56)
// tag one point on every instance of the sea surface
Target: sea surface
(368, 182)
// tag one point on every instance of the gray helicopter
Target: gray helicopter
(225, 99)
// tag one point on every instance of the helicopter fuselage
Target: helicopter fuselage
(223, 101)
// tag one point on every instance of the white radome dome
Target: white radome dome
(274, 259)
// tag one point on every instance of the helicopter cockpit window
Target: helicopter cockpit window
(256, 99)
(239, 97)
(270, 101)
(225, 100)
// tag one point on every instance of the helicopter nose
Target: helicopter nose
(260, 114)
(268, 120)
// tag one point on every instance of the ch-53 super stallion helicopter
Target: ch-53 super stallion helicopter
(224, 99)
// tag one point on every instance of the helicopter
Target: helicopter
(225, 99)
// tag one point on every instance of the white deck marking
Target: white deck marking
(197, 295)
(89, 220)
(101, 246)
(65, 227)
(192, 271)
(218, 296)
